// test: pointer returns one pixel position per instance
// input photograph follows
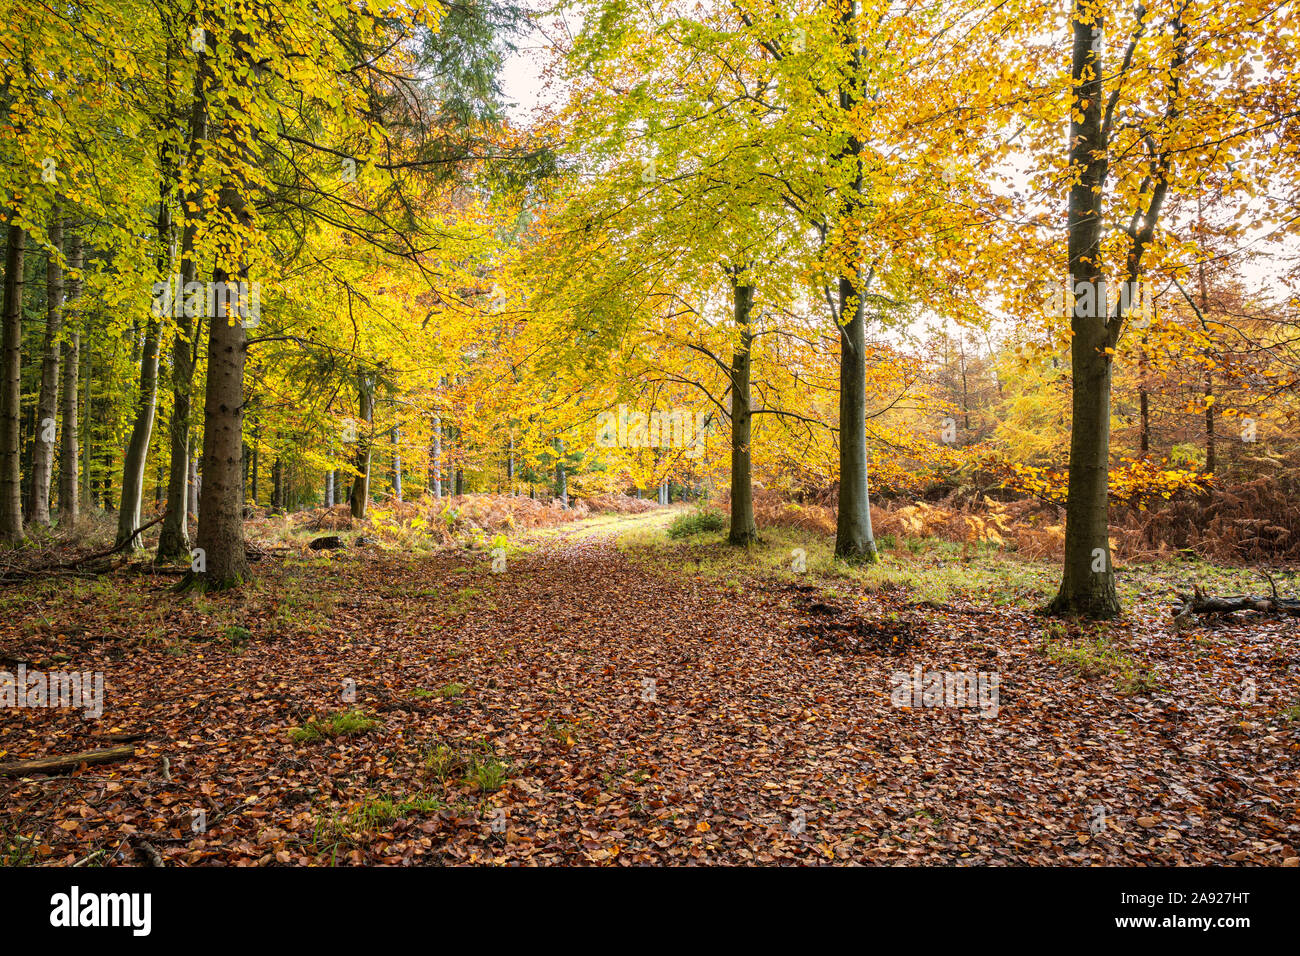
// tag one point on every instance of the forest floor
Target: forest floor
(616, 697)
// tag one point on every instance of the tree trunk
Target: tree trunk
(1144, 402)
(1088, 580)
(854, 540)
(510, 465)
(458, 479)
(86, 432)
(28, 428)
(221, 498)
(396, 438)
(252, 458)
(11, 344)
(561, 479)
(1210, 459)
(193, 483)
(743, 530)
(277, 486)
(436, 457)
(361, 483)
(47, 403)
(137, 449)
(174, 538)
(965, 394)
(69, 492)
(106, 483)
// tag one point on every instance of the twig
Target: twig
(23, 574)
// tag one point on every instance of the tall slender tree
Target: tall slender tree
(11, 344)
(47, 402)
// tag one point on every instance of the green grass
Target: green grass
(697, 521)
(1157, 581)
(443, 763)
(449, 691)
(476, 765)
(237, 636)
(377, 812)
(486, 772)
(931, 569)
(373, 814)
(1099, 657)
(345, 723)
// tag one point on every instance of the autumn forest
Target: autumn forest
(624, 432)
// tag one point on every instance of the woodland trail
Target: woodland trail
(590, 706)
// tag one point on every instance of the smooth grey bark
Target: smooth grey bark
(854, 540)
(192, 501)
(47, 402)
(11, 343)
(69, 492)
(743, 529)
(174, 538)
(137, 449)
(146, 407)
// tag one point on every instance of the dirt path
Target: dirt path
(638, 714)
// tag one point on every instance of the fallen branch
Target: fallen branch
(21, 768)
(1199, 602)
(23, 574)
(149, 853)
